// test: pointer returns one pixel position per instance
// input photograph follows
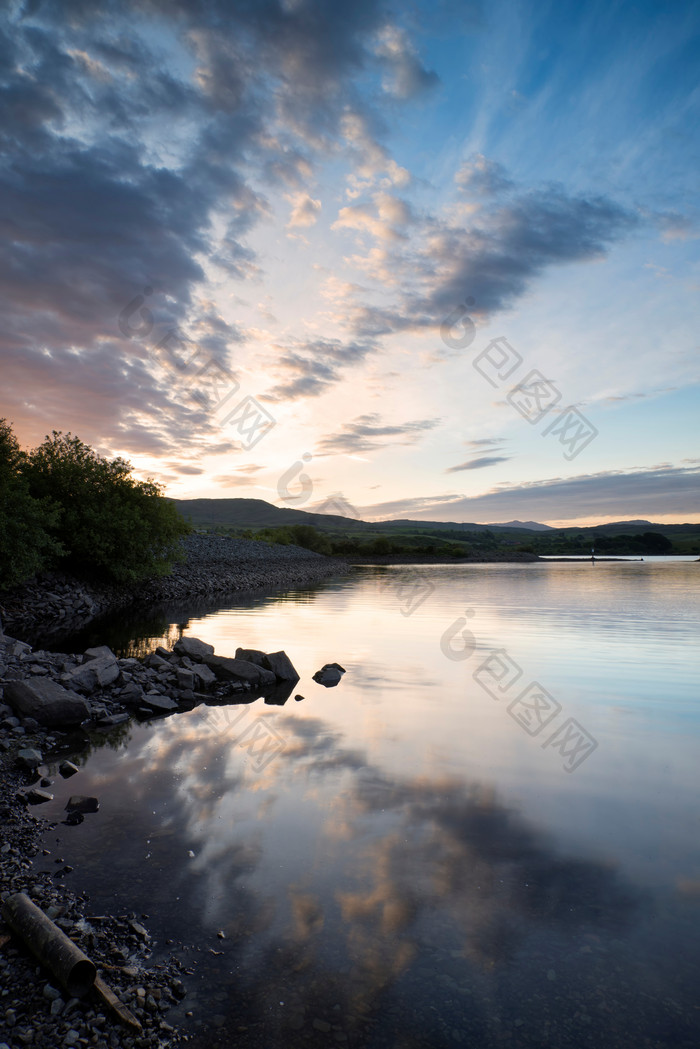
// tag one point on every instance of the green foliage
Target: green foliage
(25, 522)
(352, 546)
(96, 519)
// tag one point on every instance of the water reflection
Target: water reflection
(410, 868)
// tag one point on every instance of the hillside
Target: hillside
(632, 537)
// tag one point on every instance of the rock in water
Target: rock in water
(46, 701)
(281, 666)
(240, 670)
(163, 704)
(329, 675)
(252, 655)
(193, 647)
(80, 803)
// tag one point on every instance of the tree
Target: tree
(111, 526)
(26, 546)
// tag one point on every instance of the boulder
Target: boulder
(193, 647)
(281, 666)
(185, 678)
(68, 769)
(329, 675)
(46, 701)
(204, 676)
(252, 655)
(98, 672)
(240, 670)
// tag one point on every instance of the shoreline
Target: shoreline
(59, 604)
(53, 707)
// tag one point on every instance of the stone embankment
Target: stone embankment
(214, 565)
(44, 698)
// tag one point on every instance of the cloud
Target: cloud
(479, 464)
(309, 369)
(643, 493)
(136, 143)
(407, 77)
(494, 257)
(367, 433)
(482, 177)
(241, 477)
(305, 211)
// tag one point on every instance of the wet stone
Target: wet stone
(81, 803)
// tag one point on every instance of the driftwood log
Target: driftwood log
(73, 969)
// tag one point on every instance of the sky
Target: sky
(436, 261)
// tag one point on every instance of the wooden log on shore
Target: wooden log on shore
(73, 969)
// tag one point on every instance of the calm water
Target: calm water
(486, 835)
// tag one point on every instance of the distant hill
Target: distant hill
(531, 526)
(256, 513)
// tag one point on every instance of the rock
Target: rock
(204, 675)
(101, 652)
(108, 720)
(252, 655)
(98, 672)
(80, 803)
(329, 675)
(15, 648)
(185, 678)
(46, 701)
(239, 670)
(67, 769)
(29, 758)
(156, 662)
(193, 647)
(131, 695)
(160, 703)
(37, 796)
(281, 666)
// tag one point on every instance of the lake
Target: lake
(486, 835)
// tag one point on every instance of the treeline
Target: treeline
(62, 506)
(350, 546)
(648, 543)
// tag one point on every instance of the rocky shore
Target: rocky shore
(47, 701)
(214, 565)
